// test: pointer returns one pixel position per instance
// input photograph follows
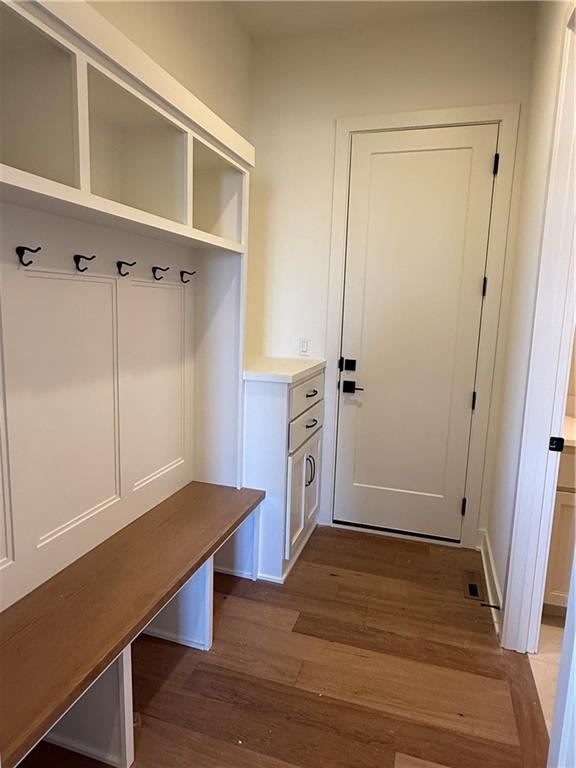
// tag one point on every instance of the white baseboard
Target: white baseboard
(234, 572)
(271, 579)
(492, 584)
(82, 749)
(189, 642)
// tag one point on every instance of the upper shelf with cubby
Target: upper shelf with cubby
(38, 128)
(80, 140)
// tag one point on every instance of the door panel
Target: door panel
(153, 381)
(312, 481)
(419, 211)
(61, 395)
(297, 473)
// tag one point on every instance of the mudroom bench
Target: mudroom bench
(65, 672)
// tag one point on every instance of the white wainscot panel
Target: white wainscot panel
(61, 387)
(153, 379)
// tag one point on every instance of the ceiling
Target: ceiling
(278, 18)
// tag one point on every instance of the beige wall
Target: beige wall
(200, 44)
(302, 85)
(518, 312)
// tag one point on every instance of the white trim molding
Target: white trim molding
(493, 586)
(550, 354)
(507, 117)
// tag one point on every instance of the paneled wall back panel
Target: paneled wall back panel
(154, 379)
(98, 391)
(61, 398)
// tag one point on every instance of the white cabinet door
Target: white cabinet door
(562, 546)
(295, 514)
(303, 492)
(312, 478)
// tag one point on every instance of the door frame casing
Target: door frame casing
(547, 386)
(507, 117)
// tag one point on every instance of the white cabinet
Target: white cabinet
(108, 146)
(563, 539)
(303, 493)
(283, 425)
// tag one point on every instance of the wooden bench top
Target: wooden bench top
(57, 640)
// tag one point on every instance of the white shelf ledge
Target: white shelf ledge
(286, 370)
(30, 191)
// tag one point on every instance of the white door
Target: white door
(419, 215)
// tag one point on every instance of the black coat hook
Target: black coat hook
(22, 249)
(78, 258)
(159, 269)
(184, 273)
(120, 264)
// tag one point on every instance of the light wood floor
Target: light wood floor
(370, 656)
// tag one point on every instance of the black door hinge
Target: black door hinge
(474, 395)
(484, 286)
(341, 364)
(556, 444)
(463, 508)
(496, 164)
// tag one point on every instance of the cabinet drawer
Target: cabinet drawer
(306, 394)
(305, 426)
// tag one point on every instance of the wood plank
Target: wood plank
(159, 743)
(450, 655)
(259, 613)
(275, 720)
(530, 721)
(283, 597)
(456, 750)
(430, 695)
(447, 697)
(407, 761)
(57, 640)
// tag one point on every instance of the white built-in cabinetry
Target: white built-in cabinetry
(81, 138)
(563, 538)
(283, 427)
(119, 383)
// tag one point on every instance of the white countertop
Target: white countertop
(570, 431)
(286, 370)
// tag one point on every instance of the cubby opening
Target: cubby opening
(137, 157)
(217, 194)
(38, 117)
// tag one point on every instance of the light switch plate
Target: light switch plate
(304, 347)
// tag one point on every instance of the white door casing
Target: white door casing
(418, 226)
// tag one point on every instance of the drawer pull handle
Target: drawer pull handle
(309, 463)
(312, 423)
(312, 393)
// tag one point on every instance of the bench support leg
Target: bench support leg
(187, 618)
(100, 723)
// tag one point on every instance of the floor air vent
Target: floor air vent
(473, 585)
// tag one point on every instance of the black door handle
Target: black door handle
(349, 387)
(312, 393)
(312, 423)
